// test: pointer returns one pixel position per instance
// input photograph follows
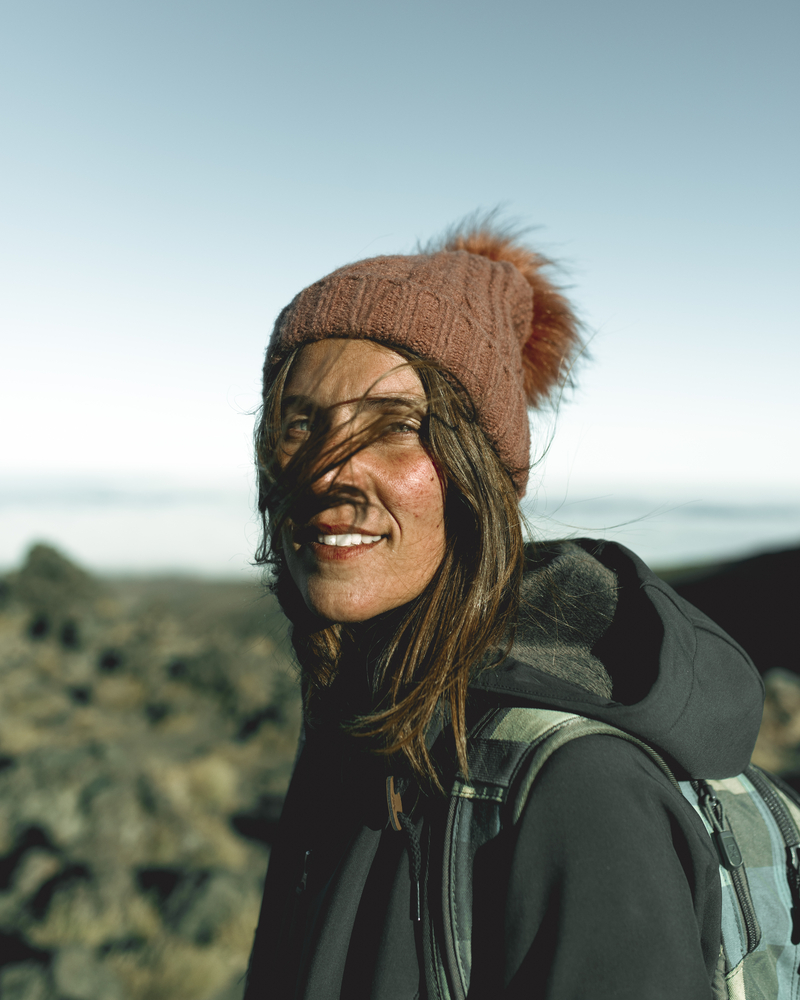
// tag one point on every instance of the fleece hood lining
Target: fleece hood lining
(678, 682)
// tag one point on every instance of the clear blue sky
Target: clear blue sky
(173, 172)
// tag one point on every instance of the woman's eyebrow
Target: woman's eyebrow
(296, 402)
(391, 402)
(384, 403)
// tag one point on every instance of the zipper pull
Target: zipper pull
(730, 856)
(301, 887)
(728, 851)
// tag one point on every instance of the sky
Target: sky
(174, 172)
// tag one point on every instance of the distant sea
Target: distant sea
(147, 527)
(673, 533)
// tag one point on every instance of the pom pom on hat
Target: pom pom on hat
(553, 338)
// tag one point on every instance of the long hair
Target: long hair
(431, 648)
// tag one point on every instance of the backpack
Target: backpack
(752, 819)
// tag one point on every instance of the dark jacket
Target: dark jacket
(608, 886)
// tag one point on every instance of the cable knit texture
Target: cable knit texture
(501, 332)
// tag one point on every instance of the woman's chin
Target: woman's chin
(337, 614)
(349, 609)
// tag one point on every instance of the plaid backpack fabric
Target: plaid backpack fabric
(752, 819)
(760, 879)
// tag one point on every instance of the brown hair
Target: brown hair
(433, 645)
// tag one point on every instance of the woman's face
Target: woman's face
(381, 539)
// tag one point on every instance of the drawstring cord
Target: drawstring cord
(401, 821)
(414, 863)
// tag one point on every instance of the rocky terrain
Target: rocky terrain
(147, 732)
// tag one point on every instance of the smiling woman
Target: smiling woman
(380, 538)
(393, 450)
(359, 439)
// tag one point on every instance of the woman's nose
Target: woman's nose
(341, 463)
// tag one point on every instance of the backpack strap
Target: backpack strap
(569, 728)
(524, 739)
(507, 750)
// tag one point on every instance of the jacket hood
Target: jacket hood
(601, 635)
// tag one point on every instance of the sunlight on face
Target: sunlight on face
(353, 561)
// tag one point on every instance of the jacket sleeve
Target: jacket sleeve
(614, 887)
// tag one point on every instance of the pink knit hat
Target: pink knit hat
(478, 304)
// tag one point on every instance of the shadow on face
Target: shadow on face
(378, 542)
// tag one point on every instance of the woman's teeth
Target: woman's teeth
(342, 540)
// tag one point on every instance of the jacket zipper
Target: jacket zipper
(791, 839)
(303, 883)
(452, 972)
(290, 927)
(730, 857)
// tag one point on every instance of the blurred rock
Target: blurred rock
(778, 745)
(23, 981)
(79, 975)
(147, 733)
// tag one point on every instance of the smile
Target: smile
(342, 546)
(343, 541)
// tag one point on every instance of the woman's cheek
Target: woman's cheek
(416, 484)
(417, 505)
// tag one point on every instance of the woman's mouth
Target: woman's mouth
(328, 542)
(345, 541)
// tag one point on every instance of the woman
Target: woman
(393, 449)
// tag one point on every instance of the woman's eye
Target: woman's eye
(298, 427)
(402, 429)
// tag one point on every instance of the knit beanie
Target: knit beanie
(477, 303)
